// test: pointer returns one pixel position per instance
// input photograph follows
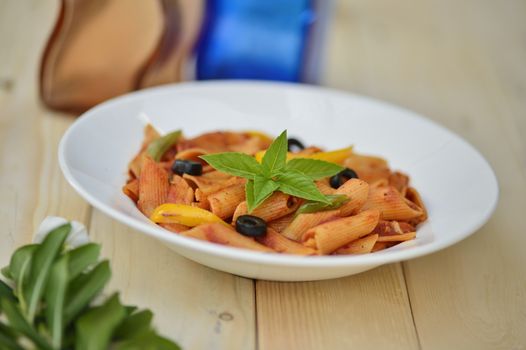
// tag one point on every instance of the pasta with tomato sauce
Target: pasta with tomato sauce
(367, 206)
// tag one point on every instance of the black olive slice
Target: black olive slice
(340, 178)
(182, 166)
(251, 226)
(295, 145)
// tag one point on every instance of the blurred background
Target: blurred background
(99, 49)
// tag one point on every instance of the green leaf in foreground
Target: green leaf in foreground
(6, 292)
(313, 168)
(263, 188)
(95, 328)
(19, 323)
(84, 288)
(158, 147)
(41, 264)
(5, 272)
(55, 297)
(275, 157)
(8, 338)
(299, 185)
(81, 258)
(147, 341)
(234, 163)
(19, 270)
(135, 324)
(336, 201)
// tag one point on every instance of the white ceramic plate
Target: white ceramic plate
(455, 181)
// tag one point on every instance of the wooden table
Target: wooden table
(461, 63)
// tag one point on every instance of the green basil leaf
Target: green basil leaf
(263, 188)
(313, 168)
(55, 296)
(8, 338)
(96, 327)
(147, 341)
(134, 325)
(43, 257)
(84, 288)
(81, 258)
(275, 157)
(158, 147)
(18, 322)
(234, 163)
(337, 200)
(296, 184)
(249, 194)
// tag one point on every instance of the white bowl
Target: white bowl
(455, 181)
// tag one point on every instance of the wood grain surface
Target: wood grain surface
(460, 63)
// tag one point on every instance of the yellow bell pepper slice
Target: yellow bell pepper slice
(260, 134)
(336, 156)
(187, 215)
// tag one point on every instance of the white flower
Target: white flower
(77, 236)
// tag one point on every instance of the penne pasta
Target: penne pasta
(399, 181)
(223, 203)
(153, 186)
(281, 223)
(391, 204)
(328, 237)
(192, 154)
(324, 187)
(302, 222)
(150, 134)
(414, 197)
(180, 192)
(211, 182)
(131, 189)
(134, 167)
(368, 168)
(357, 191)
(274, 207)
(221, 234)
(397, 238)
(379, 183)
(282, 244)
(360, 246)
(380, 246)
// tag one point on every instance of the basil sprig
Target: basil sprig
(295, 177)
(336, 201)
(46, 302)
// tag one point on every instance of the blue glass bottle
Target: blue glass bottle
(255, 39)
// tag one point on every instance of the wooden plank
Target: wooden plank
(366, 311)
(22, 151)
(477, 291)
(199, 307)
(460, 63)
(55, 196)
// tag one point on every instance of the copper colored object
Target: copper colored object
(103, 48)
